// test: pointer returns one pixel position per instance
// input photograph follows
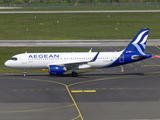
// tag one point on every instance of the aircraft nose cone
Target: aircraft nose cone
(7, 64)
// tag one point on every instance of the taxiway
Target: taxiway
(103, 94)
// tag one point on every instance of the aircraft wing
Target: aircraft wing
(72, 64)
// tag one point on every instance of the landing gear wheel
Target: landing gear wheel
(74, 74)
(24, 72)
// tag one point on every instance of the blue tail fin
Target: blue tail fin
(138, 44)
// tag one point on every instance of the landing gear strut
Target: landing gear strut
(24, 72)
(74, 74)
(122, 69)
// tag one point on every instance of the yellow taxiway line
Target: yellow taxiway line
(78, 91)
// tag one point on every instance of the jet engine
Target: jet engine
(56, 69)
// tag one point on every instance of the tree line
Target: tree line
(70, 1)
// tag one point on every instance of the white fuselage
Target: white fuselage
(43, 60)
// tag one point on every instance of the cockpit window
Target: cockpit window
(13, 58)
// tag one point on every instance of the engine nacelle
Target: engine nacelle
(56, 69)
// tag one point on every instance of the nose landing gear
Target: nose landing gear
(24, 72)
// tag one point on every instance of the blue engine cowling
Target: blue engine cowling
(56, 69)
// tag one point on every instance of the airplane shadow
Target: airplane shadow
(80, 74)
(87, 75)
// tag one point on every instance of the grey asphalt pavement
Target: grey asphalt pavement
(103, 94)
(71, 43)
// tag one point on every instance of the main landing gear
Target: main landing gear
(74, 74)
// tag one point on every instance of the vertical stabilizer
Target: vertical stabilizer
(138, 44)
(135, 49)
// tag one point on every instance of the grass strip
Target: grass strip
(77, 26)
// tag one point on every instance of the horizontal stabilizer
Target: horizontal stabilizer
(135, 57)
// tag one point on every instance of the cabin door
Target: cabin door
(24, 59)
(121, 58)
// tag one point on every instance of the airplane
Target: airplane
(58, 63)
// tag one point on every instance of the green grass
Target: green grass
(77, 26)
(10, 70)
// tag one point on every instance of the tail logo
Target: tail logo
(140, 41)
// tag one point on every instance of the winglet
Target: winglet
(91, 49)
(95, 57)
